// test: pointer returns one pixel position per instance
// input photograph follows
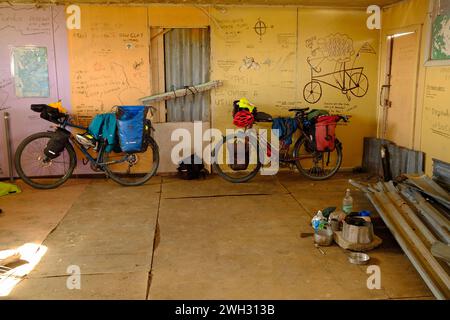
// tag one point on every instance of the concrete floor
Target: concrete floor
(206, 239)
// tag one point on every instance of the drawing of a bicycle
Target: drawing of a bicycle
(346, 80)
(345, 77)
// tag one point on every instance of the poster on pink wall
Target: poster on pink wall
(29, 68)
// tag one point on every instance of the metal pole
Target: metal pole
(8, 146)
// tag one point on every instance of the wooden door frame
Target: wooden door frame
(385, 55)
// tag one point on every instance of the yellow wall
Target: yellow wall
(110, 65)
(432, 125)
(271, 70)
(109, 58)
(343, 25)
(267, 77)
(178, 16)
(436, 117)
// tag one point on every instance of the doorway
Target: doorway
(399, 90)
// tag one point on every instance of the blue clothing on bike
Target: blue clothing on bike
(286, 127)
(103, 126)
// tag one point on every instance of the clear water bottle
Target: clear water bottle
(347, 203)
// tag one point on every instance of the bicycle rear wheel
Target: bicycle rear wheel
(223, 166)
(137, 169)
(36, 169)
(317, 165)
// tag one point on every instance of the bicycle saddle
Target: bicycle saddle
(298, 110)
(263, 117)
(39, 107)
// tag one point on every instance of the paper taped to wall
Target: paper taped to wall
(30, 71)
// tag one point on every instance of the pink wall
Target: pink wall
(21, 26)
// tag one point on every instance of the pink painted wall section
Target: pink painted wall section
(29, 26)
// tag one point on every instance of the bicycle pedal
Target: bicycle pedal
(95, 168)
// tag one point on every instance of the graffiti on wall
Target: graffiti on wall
(261, 28)
(334, 63)
(109, 60)
(436, 112)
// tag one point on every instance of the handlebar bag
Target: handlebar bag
(131, 128)
(48, 113)
(325, 133)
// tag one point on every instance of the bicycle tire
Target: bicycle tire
(122, 180)
(306, 173)
(28, 180)
(223, 175)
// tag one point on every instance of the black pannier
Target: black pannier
(48, 113)
(57, 143)
(241, 154)
(146, 135)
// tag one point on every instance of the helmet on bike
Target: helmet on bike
(243, 119)
(245, 104)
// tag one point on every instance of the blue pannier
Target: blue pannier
(131, 127)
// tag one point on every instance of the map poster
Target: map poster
(30, 71)
(441, 33)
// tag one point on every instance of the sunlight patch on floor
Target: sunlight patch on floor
(17, 264)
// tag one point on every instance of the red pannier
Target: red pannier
(325, 133)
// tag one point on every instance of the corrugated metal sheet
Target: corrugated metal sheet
(441, 173)
(187, 63)
(402, 160)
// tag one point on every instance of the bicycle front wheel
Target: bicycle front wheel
(36, 169)
(236, 158)
(317, 165)
(136, 169)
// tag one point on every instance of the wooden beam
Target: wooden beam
(157, 71)
(181, 92)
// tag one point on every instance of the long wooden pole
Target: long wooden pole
(188, 90)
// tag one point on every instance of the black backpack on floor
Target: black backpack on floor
(192, 168)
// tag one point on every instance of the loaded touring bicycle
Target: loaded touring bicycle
(129, 155)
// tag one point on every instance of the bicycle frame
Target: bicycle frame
(285, 159)
(96, 162)
(269, 146)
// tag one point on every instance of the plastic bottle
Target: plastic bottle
(317, 221)
(347, 203)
